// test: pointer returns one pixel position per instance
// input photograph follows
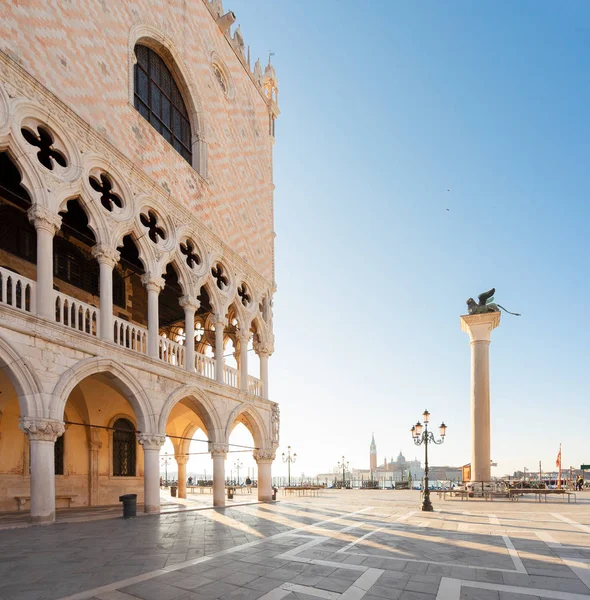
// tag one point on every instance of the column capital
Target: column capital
(480, 327)
(189, 302)
(243, 335)
(218, 450)
(181, 459)
(43, 430)
(106, 255)
(219, 319)
(153, 282)
(264, 455)
(264, 347)
(151, 441)
(42, 218)
(95, 443)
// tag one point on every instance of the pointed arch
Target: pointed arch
(122, 381)
(200, 404)
(29, 176)
(252, 419)
(24, 380)
(148, 34)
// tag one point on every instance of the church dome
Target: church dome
(401, 458)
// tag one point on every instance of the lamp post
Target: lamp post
(237, 465)
(165, 460)
(343, 465)
(289, 458)
(427, 437)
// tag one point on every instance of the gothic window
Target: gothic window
(47, 154)
(105, 188)
(119, 289)
(124, 447)
(159, 101)
(150, 222)
(192, 258)
(59, 455)
(70, 265)
(220, 277)
(17, 235)
(244, 295)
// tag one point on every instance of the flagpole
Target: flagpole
(559, 483)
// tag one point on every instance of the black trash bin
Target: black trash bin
(173, 490)
(274, 493)
(129, 505)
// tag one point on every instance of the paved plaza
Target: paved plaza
(343, 545)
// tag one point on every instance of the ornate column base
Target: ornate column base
(264, 460)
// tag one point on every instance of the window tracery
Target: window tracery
(221, 279)
(47, 153)
(124, 448)
(192, 258)
(105, 187)
(150, 222)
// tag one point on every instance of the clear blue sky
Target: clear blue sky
(385, 106)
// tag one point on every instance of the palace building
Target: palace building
(136, 248)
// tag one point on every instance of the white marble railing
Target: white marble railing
(130, 335)
(205, 366)
(171, 352)
(254, 386)
(76, 314)
(231, 376)
(17, 291)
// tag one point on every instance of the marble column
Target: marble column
(181, 460)
(264, 350)
(220, 323)
(46, 224)
(218, 454)
(190, 304)
(151, 444)
(264, 460)
(42, 435)
(154, 284)
(94, 445)
(244, 339)
(107, 258)
(480, 327)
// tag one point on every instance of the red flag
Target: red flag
(558, 461)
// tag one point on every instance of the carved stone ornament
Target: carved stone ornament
(153, 282)
(151, 441)
(265, 346)
(106, 254)
(218, 449)
(264, 455)
(181, 459)
(189, 302)
(41, 218)
(43, 430)
(276, 423)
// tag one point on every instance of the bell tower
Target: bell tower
(373, 456)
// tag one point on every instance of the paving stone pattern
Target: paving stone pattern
(345, 545)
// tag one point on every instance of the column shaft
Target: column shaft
(45, 307)
(42, 480)
(264, 374)
(151, 479)
(244, 362)
(189, 330)
(106, 301)
(218, 478)
(153, 322)
(480, 411)
(264, 480)
(181, 463)
(219, 360)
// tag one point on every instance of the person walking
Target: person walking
(249, 485)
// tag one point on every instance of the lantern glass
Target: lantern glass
(418, 428)
(413, 430)
(426, 416)
(443, 430)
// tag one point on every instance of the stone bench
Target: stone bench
(21, 501)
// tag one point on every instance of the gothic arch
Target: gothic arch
(30, 178)
(23, 379)
(252, 419)
(124, 382)
(201, 405)
(149, 35)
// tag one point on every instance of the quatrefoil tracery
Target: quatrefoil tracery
(244, 295)
(47, 154)
(192, 258)
(105, 188)
(150, 222)
(221, 279)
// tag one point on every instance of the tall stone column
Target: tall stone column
(244, 339)
(480, 327)
(46, 224)
(42, 435)
(94, 445)
(151, 444)
(181, 460)
(220, 323)
(218, 454)
(264, 351)
(264, 460)
(190, 305)
(154, 284)
(107, 258)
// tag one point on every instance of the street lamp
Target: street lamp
(344, 466)
(165, 461)
(289, 459)
(237, 465)
(427, 437)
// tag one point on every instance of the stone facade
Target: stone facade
(71, 361)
